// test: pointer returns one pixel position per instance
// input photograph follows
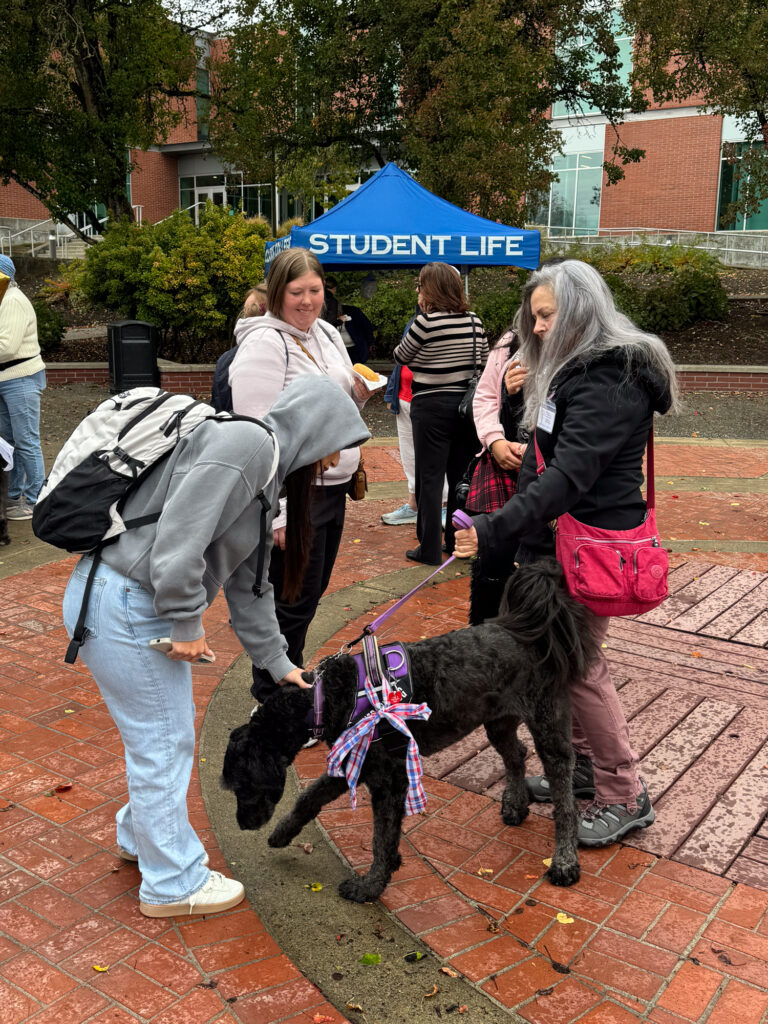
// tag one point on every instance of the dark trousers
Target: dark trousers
(327, 507)
(443, 444)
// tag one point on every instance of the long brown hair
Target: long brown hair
(286, 267)
(440, 289)
(298, 530)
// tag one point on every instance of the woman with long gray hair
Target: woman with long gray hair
(594, 382)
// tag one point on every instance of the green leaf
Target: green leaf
(370, 958)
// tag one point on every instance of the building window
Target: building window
(574, 198)
(186, 193)
(203, 103)
(625, 41)
(732, 189)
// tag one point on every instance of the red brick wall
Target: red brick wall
(675, 185)
(155, 184)
(17, 202)
(186, 130)
(197, 380)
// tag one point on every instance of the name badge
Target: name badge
(546, 420)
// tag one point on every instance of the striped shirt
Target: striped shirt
(438, 349)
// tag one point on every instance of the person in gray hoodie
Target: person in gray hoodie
(156, 582)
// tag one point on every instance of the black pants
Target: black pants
(327, 508)
(443, 444)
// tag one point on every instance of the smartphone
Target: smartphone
(164, 644)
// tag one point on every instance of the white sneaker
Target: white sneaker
(219, 893)
(400, 517)
(133, 858)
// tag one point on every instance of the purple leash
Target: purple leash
(462, 522)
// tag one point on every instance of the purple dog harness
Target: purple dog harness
(382, 700)
(383, 704)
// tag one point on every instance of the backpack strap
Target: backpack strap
(258, 582)
(78, 636)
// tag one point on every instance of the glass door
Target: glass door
(216, 194)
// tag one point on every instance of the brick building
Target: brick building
(682, 183)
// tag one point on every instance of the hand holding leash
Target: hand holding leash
(465, 540)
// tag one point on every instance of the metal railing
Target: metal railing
(733, 248)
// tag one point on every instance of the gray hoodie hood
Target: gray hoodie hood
(313, 417)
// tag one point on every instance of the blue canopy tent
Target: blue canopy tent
(391, 220)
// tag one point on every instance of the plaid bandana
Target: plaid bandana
(354, 742)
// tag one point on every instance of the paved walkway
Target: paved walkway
(664, 929)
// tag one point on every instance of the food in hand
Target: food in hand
(365, 371)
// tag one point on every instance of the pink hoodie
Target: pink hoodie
(488, 394)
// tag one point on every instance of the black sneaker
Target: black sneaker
(601, 826)
(583, 782)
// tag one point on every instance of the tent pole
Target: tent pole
(465, 272)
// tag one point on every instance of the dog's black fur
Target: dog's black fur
(4, 538)
(515, 668)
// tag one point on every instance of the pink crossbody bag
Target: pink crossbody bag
(613, 572)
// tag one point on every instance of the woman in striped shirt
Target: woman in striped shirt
(443, 346)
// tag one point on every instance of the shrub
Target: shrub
(50, 326)
(389, 310)
(188, 280)
(284, 228)
(660, 287)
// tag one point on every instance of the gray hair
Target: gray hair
(587, 324)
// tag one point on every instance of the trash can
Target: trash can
(132, 354)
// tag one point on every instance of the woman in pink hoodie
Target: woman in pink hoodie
(288, 341)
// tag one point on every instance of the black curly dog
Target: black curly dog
(515, 668)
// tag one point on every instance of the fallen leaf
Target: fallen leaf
(355, 541)
(307, 847)
(696, 654)
(355, 1006)
(604, 646)
(735, 504)
(564, 919)
(463, 1009)
(414, 957)
(322, 1018)
(531, 876)
(703, 522)
(63, 788)
(547, 862)
(370, 958)
(449, 972)
(432, 992)
(314, 886)
(68, 711)
(484, 871)
(101, 970)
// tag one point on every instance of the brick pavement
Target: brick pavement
(643, 937)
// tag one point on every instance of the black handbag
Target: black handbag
(465, 405)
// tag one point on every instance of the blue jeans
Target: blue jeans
(150, 700)
(20, 426)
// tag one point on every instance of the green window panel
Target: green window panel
(731, 190)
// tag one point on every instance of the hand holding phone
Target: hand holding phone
(165, 645)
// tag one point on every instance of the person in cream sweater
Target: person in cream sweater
(22, 381)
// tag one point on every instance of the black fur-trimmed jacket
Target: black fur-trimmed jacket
(593, 455)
